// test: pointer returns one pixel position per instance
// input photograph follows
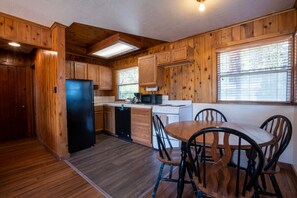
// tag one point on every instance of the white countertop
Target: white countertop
(120, 103)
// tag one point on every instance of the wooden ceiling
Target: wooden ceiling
(79, 37)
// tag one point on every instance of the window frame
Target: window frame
(293, 91)
(117, 85)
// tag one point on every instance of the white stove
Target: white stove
(172, 111)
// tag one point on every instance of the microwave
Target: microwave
(151, 99)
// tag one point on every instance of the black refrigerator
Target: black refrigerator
(80, 114)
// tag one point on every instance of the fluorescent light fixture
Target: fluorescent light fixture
(115, 45)
(117, 48)
(14, 44)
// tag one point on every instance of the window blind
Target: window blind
(259, 74)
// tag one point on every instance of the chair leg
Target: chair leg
(263, 182)
(158, 180)
(275, 186)
(199, 194)
(191, 178)
(170, 172)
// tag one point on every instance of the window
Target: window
(256, 73)
(127, 82)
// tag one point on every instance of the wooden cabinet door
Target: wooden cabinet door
(69, 70)
(105, 78)
(163, 58)
(93, 73)
(80, 70)
(99, 124)
(181, 54)
(147, 70)
(109, 120)
(141, 122)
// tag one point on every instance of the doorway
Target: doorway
(16, 96)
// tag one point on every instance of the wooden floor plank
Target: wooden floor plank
(27, 169)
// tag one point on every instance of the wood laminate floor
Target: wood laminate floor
(29, 170)
(122, 169)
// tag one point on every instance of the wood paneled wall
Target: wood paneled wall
(51, 115)
(58, 44)
(198, 81)
(46, 98)
(19, 30)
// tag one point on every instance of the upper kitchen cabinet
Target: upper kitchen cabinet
(178, 56)
(80, 70)
(69, 70)
(101, 75)
(76, 70)
(105, 78)
(93, 73)
(149, 73)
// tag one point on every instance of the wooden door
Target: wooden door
(16, 102)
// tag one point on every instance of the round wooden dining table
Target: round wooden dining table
(185, 129)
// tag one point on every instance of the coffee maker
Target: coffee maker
(137, 98)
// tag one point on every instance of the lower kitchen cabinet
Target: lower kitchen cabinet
(141, 126)
(99, 125)
(109, 119)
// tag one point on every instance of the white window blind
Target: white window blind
(127, 82)
(258, 74)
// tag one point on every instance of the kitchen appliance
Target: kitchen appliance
(80, 114)
(172, 111)
(123, 122)
(137, 98)
(151, 99)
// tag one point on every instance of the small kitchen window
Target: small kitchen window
(127, 83)
(256, 73)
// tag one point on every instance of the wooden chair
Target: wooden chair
(210, 114)
(217, 179)
(281, 128)
(167, 155)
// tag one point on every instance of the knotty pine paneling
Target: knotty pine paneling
(198, 81)
(47, 116)
(26, 32)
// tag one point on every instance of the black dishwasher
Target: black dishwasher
(123, 122)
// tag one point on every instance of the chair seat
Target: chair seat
(221, 185)
(175, 156)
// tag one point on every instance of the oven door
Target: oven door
(167, 119)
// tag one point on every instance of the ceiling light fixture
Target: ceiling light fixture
(14, 44)
(201, 5)
(115, 45)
